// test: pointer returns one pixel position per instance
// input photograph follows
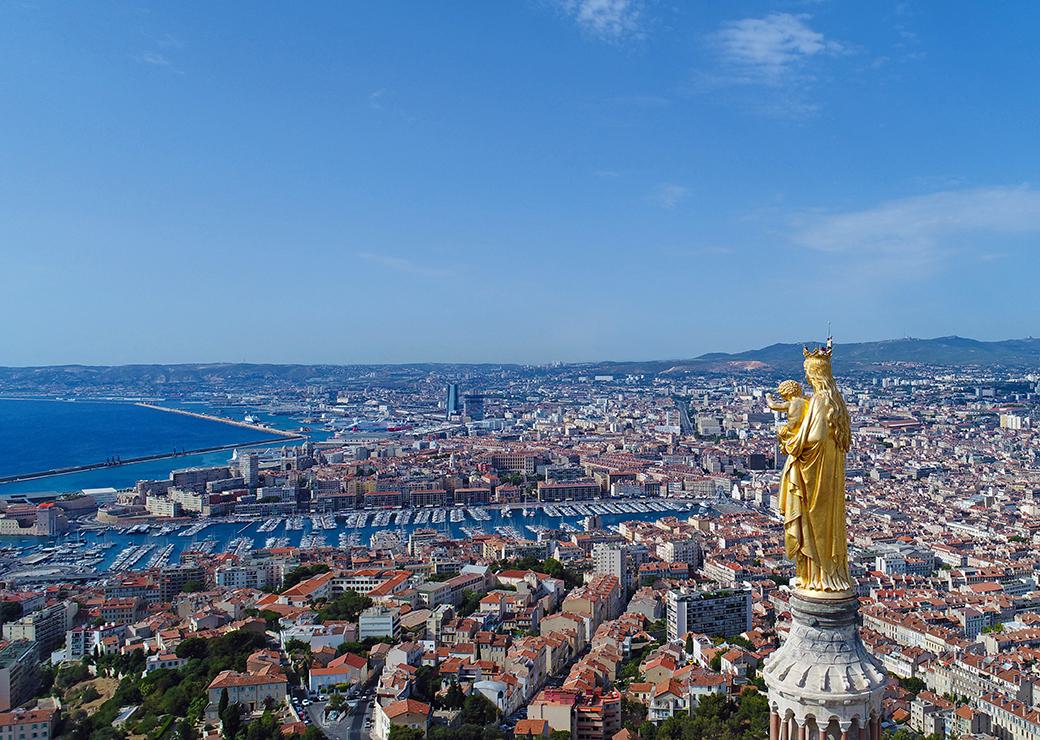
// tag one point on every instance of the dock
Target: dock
(221, 419)
(19, 477)
(276, 436)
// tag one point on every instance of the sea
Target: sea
(43, 434)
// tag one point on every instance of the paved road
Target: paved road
(352, 727)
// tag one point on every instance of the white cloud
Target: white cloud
(611, 20)
(768, 65)
(668, 195)
(159, 60)
(917, 232)
(404, 265)
(155, 59)
(768, 48)
(169, 41)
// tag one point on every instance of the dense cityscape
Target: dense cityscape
(499, 552)
(531, 370)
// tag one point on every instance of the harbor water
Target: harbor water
(100, 550)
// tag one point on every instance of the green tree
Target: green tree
(163, 696)
(265, 728)
(470, 603)
(70, 675)
(905, 734)
(913, 684)
(10, 611)
(347, 606)
(297, 646)
(197, 708)
(223, 703)
(716, 717)
(454, 698)
(193, 647)
(633, 714)
(185, 731)
(477, 710)
(560, 735)
(399, 732)
(191, 587)
(270, 617)
(648, 731)
(231, 721)
(426, 684)
(302, 573)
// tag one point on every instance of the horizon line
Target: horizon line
(704, 355)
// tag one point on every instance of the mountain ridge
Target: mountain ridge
(947, 351)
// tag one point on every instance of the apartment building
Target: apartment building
(121, 611)
(515, 462)
(714, 613)
(681, 551)
(594, 715)
(368, 580)
(37, 724)
(46, 626)
(253, 691)
(19, 673)
(569, 491)
(450, 592)
(379, 621)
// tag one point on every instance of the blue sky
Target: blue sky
(529, 181)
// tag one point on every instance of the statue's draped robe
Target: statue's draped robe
(812, 501)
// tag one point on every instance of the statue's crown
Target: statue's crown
(820, 354)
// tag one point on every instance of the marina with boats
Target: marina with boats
(93, 551)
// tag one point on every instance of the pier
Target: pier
(277, 436)
(221, 419)
(19, 477)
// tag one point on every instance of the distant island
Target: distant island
(952, 351)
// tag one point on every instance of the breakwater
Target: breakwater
(146, 458)
(222, 420)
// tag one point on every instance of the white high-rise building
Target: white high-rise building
(714, 613)
(610, 560)
(249, 468)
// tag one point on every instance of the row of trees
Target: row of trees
(478, 720)
(714, 717)
(549, 566)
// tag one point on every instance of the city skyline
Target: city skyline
(952, 350)
(544, 181)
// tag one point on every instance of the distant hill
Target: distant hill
(852, 357)
(942, 351)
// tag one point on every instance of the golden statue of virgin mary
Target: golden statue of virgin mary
(812, 489)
